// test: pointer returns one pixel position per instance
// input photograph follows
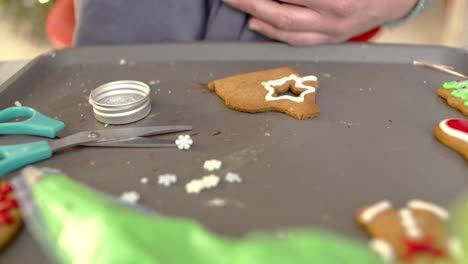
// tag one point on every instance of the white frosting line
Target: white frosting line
(299, 82)
(453, 132)
(435, 209)
(370, 213)
(383, 249)
(409, 223)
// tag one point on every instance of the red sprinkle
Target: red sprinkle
(195, 134)
(82, 120)
(217, 133)
(5, 219)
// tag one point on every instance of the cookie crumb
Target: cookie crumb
(267, 134)
(144, 180)
(92, 163)
(232, 177)
(167, 180)
(211, 165)
(130, 197)
(18, 103)
(122, 62)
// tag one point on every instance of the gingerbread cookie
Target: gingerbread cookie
(10, 218)
(413, 233)
(261, 92)
(456, 94)
(454, 134)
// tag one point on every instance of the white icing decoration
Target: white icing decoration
(435, 209)
(455, 248)
(184, 142)
(383, 249)
(130, 197)
(210, 181)
(453, 132)
(299, 82)
(167, 179)
(409, 223)
(370, 213)
(232, 177)
(212, 165)
(194, 186)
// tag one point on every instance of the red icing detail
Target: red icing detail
(426, 246)
(5, 219)
(6, 204)
(458, 124)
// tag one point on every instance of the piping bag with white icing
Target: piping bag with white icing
(76, 224)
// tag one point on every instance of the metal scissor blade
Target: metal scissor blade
(113, 134)
(136, 142)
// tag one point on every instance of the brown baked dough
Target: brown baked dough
(430, 240)
(454, 102)
(246, 93)
(454, 143)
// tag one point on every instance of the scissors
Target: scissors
(13, 157)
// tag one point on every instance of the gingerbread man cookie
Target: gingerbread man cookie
(413, 233)
(261, 92)
(454, 134)
(10, 218)
(456, 94)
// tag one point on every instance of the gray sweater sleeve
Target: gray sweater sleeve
(104, 22)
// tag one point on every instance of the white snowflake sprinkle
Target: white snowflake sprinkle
(212, 165)
(122, 62)
(267, 134)
(144, 180)
(194, 186)
(184, 142)
(232, 177)
(210, 181)
(167, 179)
(130, 197)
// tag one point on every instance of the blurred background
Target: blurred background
(31, 27)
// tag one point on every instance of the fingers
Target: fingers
(291, 37)
(285, 16)
(338, 8)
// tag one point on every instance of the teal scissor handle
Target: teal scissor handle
(13, 157)
(37, 124)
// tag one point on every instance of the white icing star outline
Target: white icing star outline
(299, 82)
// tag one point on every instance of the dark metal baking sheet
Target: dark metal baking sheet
(373, 140)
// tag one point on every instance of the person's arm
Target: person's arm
(307, 22)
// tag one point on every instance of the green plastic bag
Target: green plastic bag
(75, 224)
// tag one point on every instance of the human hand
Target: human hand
(307, 22)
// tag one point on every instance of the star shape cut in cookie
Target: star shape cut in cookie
(299, 83)
(264, 91)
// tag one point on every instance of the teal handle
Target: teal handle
(13, 157)
(37, 124)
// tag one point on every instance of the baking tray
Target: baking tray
(373, 140)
